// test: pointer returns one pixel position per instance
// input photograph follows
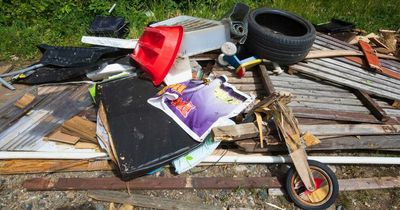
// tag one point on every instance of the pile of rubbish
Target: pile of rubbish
(256, 81)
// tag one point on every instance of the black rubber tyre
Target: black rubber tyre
(325, 180)
(279, 36)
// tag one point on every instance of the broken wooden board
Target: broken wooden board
(266, 81)
(235, 132)
(330, 144)
(48, 166)
(62, 137)
(150, 183)
(334, 115)
(87, 145)
(374, 107)
(148, 201)
(351, 129)
(25, 100)
(357, 78)
(77, 126)
(341, 53)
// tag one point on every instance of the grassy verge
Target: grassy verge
(55, 22)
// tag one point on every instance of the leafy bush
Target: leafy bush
(26, 23)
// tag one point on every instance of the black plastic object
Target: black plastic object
(335, 26)
(144, 137)
(279, 36)
(70, 63)
(108, 26)
(73, 56)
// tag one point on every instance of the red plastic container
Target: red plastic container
(157, 49)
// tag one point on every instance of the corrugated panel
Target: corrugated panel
(57, 104)
(341, 71)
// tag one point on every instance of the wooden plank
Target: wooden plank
(148, 201)
(25, 100)
(331, 144)
(327, 106)
(368, 102)
(328, 100)
(334, 115)
(356, 69)
(361, 76)
(62, 137)
(87, 145)
(266, 81)
(235, 132)
(351, 129)
(77, 126)
(47, 166)
(369, 183)
(149, 183)
(322, 44)
(331, 75)
(308, 86)
(317, 93)
(340, 53)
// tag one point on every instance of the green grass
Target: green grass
(23, 25)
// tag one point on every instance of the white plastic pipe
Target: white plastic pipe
(52, 155)
(287, 159)
(110, 42)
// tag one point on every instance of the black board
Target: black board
(144, 137)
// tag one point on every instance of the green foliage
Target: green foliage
(27, 23)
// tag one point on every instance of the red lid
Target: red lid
(157, 49)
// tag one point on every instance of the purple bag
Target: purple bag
(197, 106)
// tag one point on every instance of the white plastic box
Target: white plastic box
(200, 35)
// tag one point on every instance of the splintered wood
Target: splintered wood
(77, 126)
(235, 132)
(24, 101)
(62, 137)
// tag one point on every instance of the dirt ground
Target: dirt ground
(13, 196)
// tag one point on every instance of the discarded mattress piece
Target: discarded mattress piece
(141, 136)
(197, 106)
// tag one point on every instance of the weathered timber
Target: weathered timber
(351, 129)
(150, 183)
(25, 100)
(334, 115)
(77, 126)
(266, 80)
(62, 137)
(148, 201)
(368, 102)
(46, 166)
(329, 144)
(235, 132)
(346, 79)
